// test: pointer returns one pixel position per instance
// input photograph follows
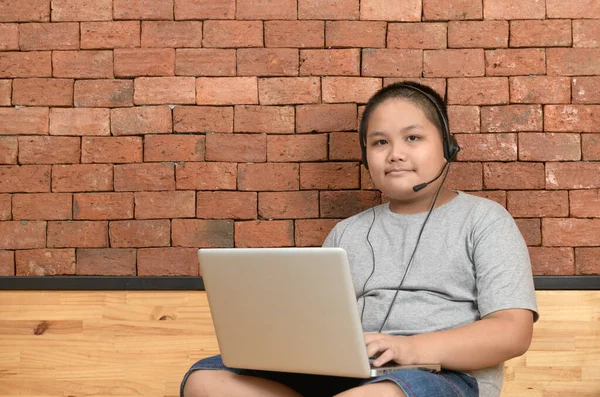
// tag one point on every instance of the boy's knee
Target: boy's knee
(206, 383)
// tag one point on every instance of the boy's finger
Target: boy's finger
(372, 337)
(384, 358)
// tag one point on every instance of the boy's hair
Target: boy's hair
(422, 96)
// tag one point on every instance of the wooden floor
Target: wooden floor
(75, 344)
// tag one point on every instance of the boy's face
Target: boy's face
(404, 149)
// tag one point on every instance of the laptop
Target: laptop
(287, 310)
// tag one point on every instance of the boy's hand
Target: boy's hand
(386, 348)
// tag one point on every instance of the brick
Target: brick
(8, 150)
(264, 119)
(9, 36)
(464, 119)
(134, 62)
(141, 120)
(167, 262)
(141, 177)
(514, 176)
(236, 147)
(111, 149)
(549, 147)
(226, 90)
(465, 176)
(106, 262)
(49, 36)
(82, 178)
(289, 90)
(103, 93)
(172, 34)
(514, 62)
(580, 175)
(174, 148)
(328, 9)
(344, 62)
(49, 150)
(106, 35)
(531, 229)
(294, 34)
(45, 262)
(143, 9)
(369, 34)
(453, 63)
(269, 177)
(514, 9)
(538, 204)
(288, 205)
(478, 34)
(264, 233)
(366, 183)
(226, 205)
(498, 196)
(590, 146)
(103, 206)
(24, 178)
(87, 64)
(460, 10)
(349, 89)
(329, 176)
(392, 62)
(543, 33)
(43, 92)
(5, 207)
(438, 85)
(312, 232)
(203, 233)
(288, 148)
(164, 90)
(19, 11)
(584, 203)
(42, 206)
(586, 89)
(267, 62)
(343, 204)
(572, 118)
(206, 176)
(487, 147)
(266, 9)
(82, 10)
(417, 35)
(573, 61)
(586, 33)
(587, 260)
(79, 121)
(5, 92)
(326, 117)
(511, 118)
(478, 91)
(155, 205)
(540, 89)
(204, 9)
(25, 64)
(205, 62)
(140, 233)
(203, 119)
(22, 235)
(24, 121)
(548, 261)
(7, 263)
(233, 34)
(344, 146)
(83, 234)
(391, 11)
(570, 232)
(573, 9)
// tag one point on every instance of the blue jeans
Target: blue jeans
(413, 382)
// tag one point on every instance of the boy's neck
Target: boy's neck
(420, 205)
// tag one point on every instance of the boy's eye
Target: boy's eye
(380, 142)
(413, 138)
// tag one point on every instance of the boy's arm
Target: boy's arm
(495, 338)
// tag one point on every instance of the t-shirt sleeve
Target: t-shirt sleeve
(503, 269)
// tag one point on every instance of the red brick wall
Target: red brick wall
(133, 132)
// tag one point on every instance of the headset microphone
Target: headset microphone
(422, 186)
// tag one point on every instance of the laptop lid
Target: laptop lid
(285, 309)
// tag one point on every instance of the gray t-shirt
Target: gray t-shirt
(471, 261)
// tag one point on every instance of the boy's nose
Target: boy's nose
(397, 153)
